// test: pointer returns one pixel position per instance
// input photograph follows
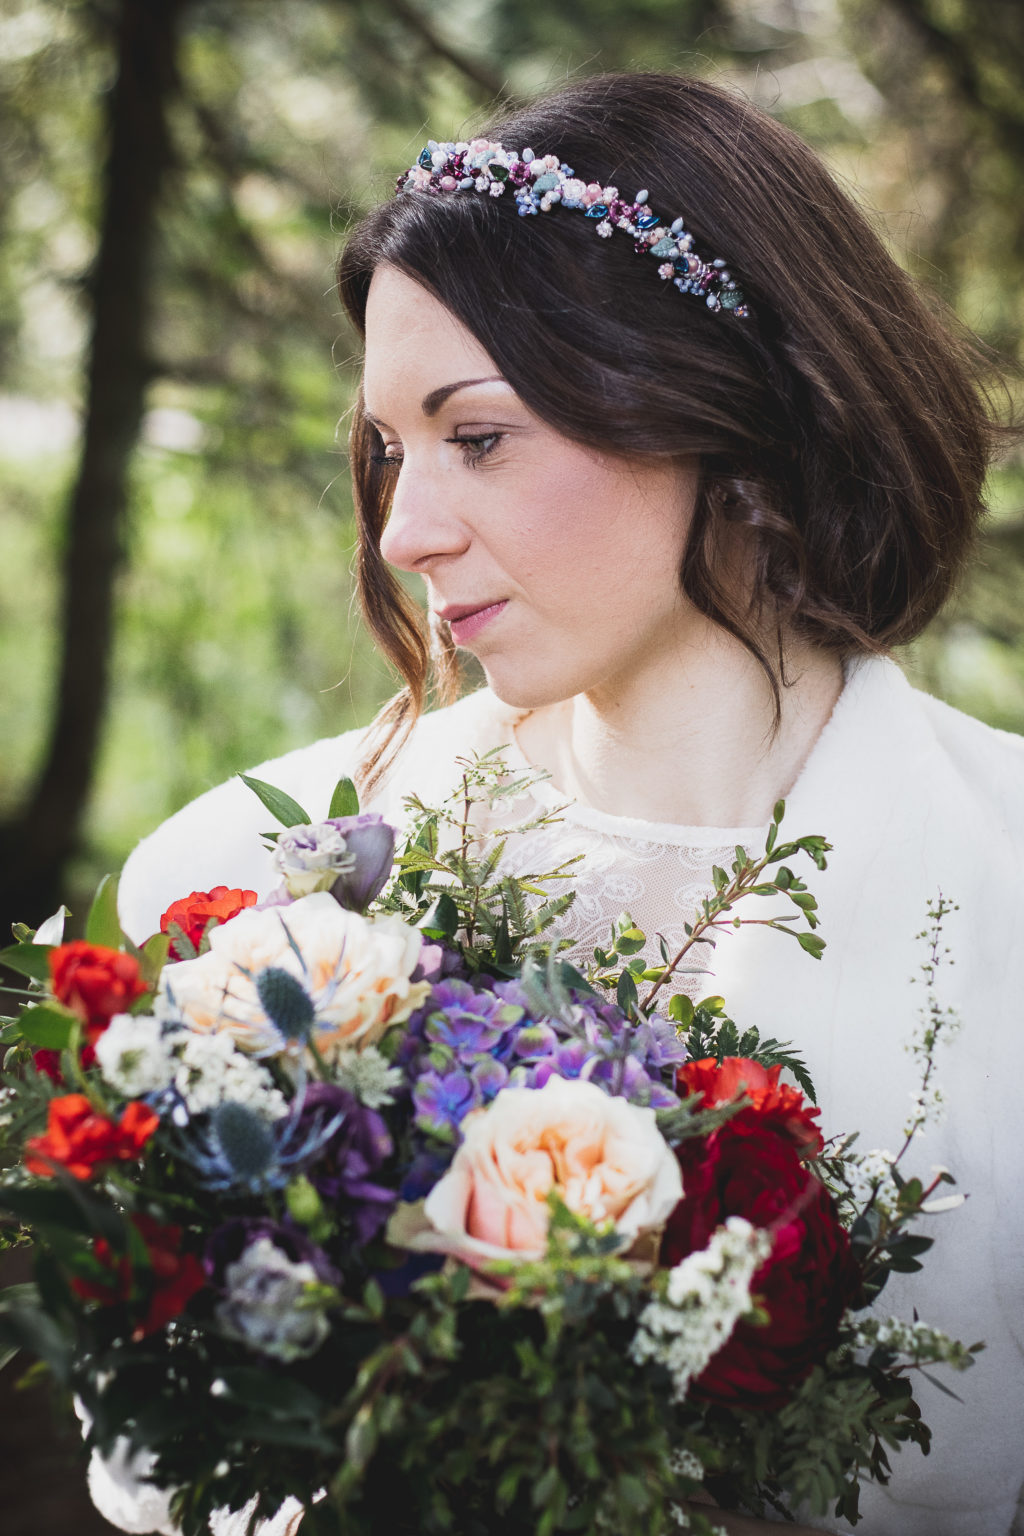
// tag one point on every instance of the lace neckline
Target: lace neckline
(633, 827)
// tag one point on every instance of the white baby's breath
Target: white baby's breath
(705, 1296)
(211, 1070)
(134, 1055)
(917, 1342)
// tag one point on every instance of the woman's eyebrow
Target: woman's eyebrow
(432, 402)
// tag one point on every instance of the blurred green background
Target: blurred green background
(176, 178)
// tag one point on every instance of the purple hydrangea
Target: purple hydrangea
(594, 1040)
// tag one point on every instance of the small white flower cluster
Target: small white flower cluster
(267, 1305)
(917, 1342)
(870, 1181)
(137, 1055)
(927, 1105)
(211, 1070)
(685, 1464)
(369, 1075)
(705, 1297)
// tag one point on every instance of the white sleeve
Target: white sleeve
(215, 839)
(123, 1498)
(127, 1502)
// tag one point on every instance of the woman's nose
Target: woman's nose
(422, 525)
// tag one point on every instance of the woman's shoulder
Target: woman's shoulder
(988, 761)
(216, 838)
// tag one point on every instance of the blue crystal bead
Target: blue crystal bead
(598, 211)
(646, 219)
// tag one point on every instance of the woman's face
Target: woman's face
(555, 564)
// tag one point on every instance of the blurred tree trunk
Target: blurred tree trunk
(36, 843)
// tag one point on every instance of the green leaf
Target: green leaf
(442, 921)
(626, 993)
(103, 926)
(47, 1028)
(26, 1328)
(680, 1009)
(813, 943)
(271, 1392)
(66, 1206)
(28, 960)
(345, 800)
(287, 811)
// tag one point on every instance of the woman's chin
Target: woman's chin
(520, 687)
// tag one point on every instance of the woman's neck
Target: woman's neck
(689, 743)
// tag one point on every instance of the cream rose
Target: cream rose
(605, 1157)
(355, 969)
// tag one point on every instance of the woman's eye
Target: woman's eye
(475, 448)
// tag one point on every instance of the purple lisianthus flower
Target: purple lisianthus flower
(437, 961)
(343, 1170)
(265, 1271)
(350, 856)
(226, 1245)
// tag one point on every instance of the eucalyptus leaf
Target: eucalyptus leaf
(345, 799)
(47, 1028)
(103, 926)
(28, 960)
(287, 811)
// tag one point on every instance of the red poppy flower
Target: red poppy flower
(95, 982)
(79, 1139)
(194, 913)
(721, 1083)
(169, 1283)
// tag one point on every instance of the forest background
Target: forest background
(176, 177)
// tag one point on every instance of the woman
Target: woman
(679, 503)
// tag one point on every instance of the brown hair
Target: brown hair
(842, 428)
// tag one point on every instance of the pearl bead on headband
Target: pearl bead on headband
(539, 183)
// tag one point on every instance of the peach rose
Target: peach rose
(355, 969)
(605, 1157)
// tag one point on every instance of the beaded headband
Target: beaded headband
(540, 182)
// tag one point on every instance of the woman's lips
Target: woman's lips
(469, 625)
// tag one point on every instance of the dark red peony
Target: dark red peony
(195, 913)
(80, 1140)
(752, 1167)
(167, 1283)
(95, 982)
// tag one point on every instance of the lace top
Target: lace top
(657, 872)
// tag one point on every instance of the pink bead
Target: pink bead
(449, 183)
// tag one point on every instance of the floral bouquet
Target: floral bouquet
(364, 1195)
